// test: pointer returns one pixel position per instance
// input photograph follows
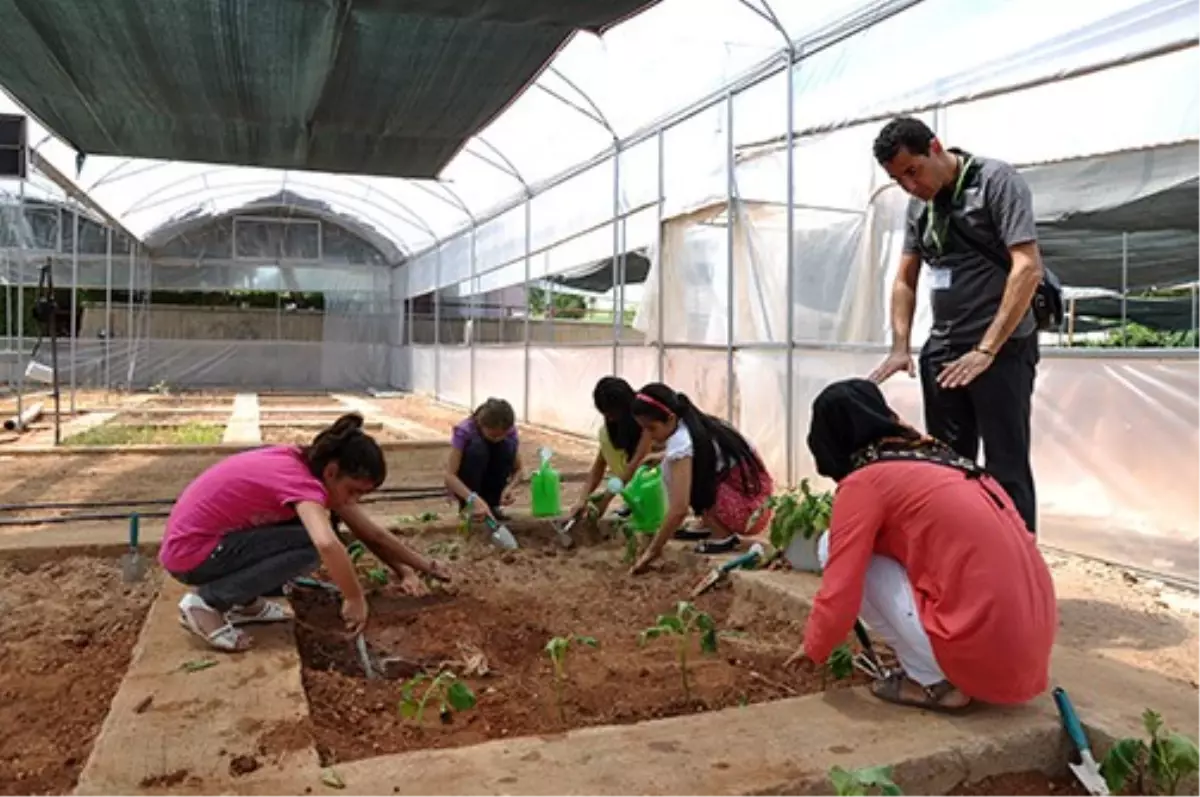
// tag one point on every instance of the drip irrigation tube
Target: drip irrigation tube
(161, 513)
(398, 492)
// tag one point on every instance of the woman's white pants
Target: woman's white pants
(889, 609)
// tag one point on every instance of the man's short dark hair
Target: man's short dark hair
(906, 133)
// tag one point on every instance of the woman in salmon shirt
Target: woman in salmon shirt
(930, 551)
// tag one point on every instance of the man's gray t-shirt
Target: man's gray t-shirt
(995, 211)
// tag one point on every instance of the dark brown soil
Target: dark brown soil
(507, 607)
(67, 629)
(1022, 783)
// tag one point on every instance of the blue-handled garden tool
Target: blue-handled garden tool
(1088, 771)
(133, 565)
(747, 559)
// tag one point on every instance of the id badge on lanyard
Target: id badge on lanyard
(940, 279)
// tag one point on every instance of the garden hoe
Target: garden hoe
(1087, 770)
(133, 565)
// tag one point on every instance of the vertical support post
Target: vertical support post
(471, 314)
(731, 211)
(790, 249)
(437, 325)
(1195, 311)
(108, 236)
(74, 299)
(525, 319)
(21, 227)
(658, 253)
(1124, 286)
(616, 254)
(129, 314)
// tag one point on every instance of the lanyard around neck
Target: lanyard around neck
(934, 232)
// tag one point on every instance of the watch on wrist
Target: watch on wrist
(985, 350)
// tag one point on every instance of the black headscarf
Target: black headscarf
(848, 417)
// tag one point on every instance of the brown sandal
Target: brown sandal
(890, 689)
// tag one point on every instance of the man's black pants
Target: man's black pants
(995, 407)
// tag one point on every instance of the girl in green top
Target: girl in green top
(623, 444)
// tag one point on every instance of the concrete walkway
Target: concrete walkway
(242, 427)
(170, 730)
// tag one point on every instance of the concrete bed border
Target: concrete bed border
(781, 747)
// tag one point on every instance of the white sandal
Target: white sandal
(271, 612)
(226, 638)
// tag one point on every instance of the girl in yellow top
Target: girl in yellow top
(623, 444)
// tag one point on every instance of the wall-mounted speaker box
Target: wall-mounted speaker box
(14, 152)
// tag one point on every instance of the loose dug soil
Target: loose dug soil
(67, 629)
(1022, 783)
(570, 452)
(171, 419)
(305, 434)
(507, 606)
(324, 402)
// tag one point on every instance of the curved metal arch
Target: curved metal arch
(767, 14)
(508, 166)
(455, 201)
(144, 204)
(596, 115)
(391, 251)
(400, 245)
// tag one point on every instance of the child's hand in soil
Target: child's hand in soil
(796, 659)
(509, 498)
(411, 584)
(643, 563)
(438, 570)
(354, 613)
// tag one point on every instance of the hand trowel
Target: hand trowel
(1087, 770)
(133, 564)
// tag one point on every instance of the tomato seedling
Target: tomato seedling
(683, 624)
(1134, 766)
(868, 781)
(445, 688)
(556, 649)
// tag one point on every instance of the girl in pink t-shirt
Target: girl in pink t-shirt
(253, 522)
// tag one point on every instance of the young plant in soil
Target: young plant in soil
(860, 781)
(1134, 766)
(445, 688)
(378, 576)
(686, 622)
(801, 511)
(556, 649)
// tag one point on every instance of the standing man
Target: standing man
(971, 220)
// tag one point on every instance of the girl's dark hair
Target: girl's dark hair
(613, 398)
(706, 431)
(356, 453)
(495, 413)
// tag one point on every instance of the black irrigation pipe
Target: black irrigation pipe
(161, 513)
(399, 492)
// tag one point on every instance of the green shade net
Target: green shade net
(386, 87)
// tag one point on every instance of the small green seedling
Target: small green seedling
(378, 575)
(428, 517)
(686, 621)
(448, 549)
(196, 665)
(449, 692)
(356, 550)
(556, 649)
(1134, 767)
(860, 781)
(841, 661)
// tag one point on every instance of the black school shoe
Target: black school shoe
(711, 547)
(692, 534)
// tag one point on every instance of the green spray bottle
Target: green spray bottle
(545, 488)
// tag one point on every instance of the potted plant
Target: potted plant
(797, 520)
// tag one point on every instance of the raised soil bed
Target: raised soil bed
(124, 434)
(506, 607)
(305, 434)
(1023, 783)
(325, 402)
(67, 629)
(171, 419)
(198, 398)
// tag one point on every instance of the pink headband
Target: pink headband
(653, 402)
